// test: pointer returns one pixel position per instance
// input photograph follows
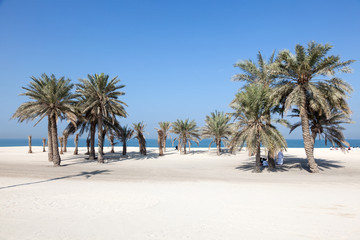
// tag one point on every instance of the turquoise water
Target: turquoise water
(292, 143)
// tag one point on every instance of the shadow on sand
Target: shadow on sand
(291, 162)
(112, 157)
(85, 174)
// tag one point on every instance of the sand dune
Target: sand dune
(196, 196)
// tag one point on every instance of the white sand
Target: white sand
(197, 196)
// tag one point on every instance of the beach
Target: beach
(195, 196)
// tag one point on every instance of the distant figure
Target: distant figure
(280, 158)
(265, 163)
(262, 161)
(331, 148)
(176, 147)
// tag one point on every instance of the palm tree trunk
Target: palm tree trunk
(271, 151)
(30, 151)
(124, 148)
(184, 143)
(65, 142)
(92, 141)
(218, 150)
(103, 141)
(44, 142)
(61, 140)
(257, 158)
(313, 136)
(143, 145)
(76, 141)
(88, 146)
(164, 145)
(180, 147)
(100, 137)
(112, 143)
(55, 145)
(160, 142)
(50, 148)
(308, 142)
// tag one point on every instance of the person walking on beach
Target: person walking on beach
(280, 158)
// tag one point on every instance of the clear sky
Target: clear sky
(175, 57)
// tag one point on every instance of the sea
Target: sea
(292, 143)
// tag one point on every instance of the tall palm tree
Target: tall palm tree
(101, 94)
(139, 129)
(124, 133)
(165, 127)
(187, 130)
(218, 127)
(251, 107)
(304, 75)
(264, 73)
(52, 98)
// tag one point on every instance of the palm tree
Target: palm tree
(264, 73)
(304, 76)
(101, 97)
(327, 128)
(217, 127)
(187, 130)
(251, 107)
(124, 133)
(139, 129)
(52, 98)
(165, 127)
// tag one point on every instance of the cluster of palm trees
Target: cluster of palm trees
(303, 82)
(95, 104)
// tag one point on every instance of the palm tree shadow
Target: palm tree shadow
(85, 174)
(291, 162)
(118, 157)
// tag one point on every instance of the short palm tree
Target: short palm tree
(52, 98)
(251, 107)
(124, 133)
(100, 95)
(264, 73)
(165, 127)
(304, 75)
(139, 129)
(327, 128)
(187, 131)
(217, 127)
(85, 123)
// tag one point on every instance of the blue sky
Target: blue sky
(175, 57)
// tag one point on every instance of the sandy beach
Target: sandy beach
(195, 196)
